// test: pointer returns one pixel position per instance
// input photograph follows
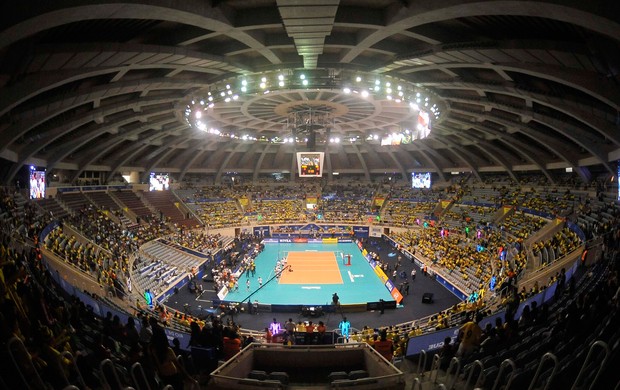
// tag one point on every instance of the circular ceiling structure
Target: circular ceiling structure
(511, 86)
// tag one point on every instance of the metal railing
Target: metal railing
(421, 364)
(472, 369)
(19, 354)
(547, 356)
(502, 368)
(583, 372)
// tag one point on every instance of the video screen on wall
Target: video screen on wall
(421, 180)
(310, 164)
(159, 181)
(421, 130)
(37, 184)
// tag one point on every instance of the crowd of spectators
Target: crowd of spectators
(35, 312)
(109, 270)
(561, 244)
(218, 214)
(279, 211)
(406, 213)
(20, 218)
(521, 225)
(342, 210)
(198, 240)
(97, 226)
(425, 194)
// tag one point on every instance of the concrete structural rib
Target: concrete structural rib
(518, 86)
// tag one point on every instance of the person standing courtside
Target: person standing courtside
(345, 328)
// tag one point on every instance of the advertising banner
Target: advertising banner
(330, 241)
(396, 295)
(361, 231)
(261, 230)
(381, 274)
(375, 231)
(461, 295)
(222, 293)
(431, 341)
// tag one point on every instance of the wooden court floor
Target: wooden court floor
(311, 267)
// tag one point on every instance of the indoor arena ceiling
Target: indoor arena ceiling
(95, 85)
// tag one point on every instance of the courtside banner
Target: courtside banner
(286, 240)
(330, 241)
(222, 293)
(381, 274)
(271, 240)
(343, 240)
(315, 241)
(393, 291)
(300, 240)
(396, 295)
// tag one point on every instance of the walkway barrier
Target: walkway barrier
(435, 368)
(472, 369)
(421, 363)
(502, 368)
(138, 377)
(109, 377)
(19, 353)
(584, 368)
(453, 372)
(545, 357)
(68, 356)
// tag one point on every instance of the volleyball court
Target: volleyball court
(313, 267)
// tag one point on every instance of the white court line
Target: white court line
(351, 277)
(311, 287)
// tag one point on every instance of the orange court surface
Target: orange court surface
(311, 267)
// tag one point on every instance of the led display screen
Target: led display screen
(310, 164)
(37, 184)
(159, 181)
(421, 180)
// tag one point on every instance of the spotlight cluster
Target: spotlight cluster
(364, 85)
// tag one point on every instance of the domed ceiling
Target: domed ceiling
(114, 86)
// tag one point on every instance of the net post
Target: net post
(346, 258)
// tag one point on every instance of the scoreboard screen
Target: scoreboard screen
(37, 184)
(310, 164)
